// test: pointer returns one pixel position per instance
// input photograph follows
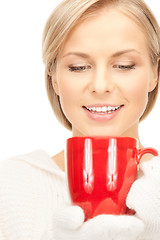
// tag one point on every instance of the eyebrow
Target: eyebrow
(124, 52)
(83, 55)
(117, 54)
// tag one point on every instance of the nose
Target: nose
(102, 82)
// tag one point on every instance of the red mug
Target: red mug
(100, 172)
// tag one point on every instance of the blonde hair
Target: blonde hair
(70, 13)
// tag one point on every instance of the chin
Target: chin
(101, 133)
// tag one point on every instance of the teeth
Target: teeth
(98, 109)
(110, 108)
(104, 109)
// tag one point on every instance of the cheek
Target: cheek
(68, 96)
(137, 93)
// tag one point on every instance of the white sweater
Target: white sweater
(31, 188)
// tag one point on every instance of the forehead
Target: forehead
(109, 28)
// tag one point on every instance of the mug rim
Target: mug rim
(103, 137)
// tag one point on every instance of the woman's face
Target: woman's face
(103, 76)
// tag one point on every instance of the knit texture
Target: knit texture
(68, 224)
(144, 198)
(31, 188)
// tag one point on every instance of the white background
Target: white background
(26, 119)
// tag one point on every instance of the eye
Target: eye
(78, 68)
(125, 67)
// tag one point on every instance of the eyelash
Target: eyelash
(84, 68)
(125, 67)
(79, 68)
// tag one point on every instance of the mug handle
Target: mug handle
(142, 151)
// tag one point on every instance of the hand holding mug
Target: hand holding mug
(100, 172)
(68, 223)
(144, 198)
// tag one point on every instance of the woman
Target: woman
(102, 77)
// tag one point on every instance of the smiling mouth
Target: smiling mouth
(103, 110)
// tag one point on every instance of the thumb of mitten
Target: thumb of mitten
(69, 218)
(151, 169)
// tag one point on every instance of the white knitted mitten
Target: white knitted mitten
(68, 224)
(144, 198)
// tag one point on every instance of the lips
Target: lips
(102, 112)
(102, 109)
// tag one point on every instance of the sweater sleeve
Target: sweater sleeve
(22, 209)
(1, 236)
